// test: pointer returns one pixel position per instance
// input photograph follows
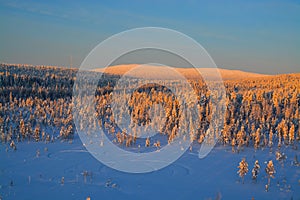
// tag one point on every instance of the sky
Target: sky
(257, 36)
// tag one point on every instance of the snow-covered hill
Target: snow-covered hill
(160, 72)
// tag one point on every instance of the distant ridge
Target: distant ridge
(161, 72)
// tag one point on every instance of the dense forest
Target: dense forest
(36, 104)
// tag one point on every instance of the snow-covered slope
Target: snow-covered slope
(23, 175)
(160, 72)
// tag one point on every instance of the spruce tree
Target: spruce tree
(255, 170)
(270, 171)
(243, 169)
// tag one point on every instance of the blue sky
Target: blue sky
(259, 36)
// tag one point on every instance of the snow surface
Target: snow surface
(39, 177)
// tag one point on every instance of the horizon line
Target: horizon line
(76, 68)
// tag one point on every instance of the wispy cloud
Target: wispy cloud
(101, 15)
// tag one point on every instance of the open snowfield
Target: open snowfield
(25, 175)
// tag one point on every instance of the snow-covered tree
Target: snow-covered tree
(257, 138)
(147, 144)
(270, 171)
(292, 134)
(13, 145)
(157, 144)
(255, 170)
(271, 138)
(243, 169)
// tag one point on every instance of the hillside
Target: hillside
(159, 72)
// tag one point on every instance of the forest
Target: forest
(36, 104)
